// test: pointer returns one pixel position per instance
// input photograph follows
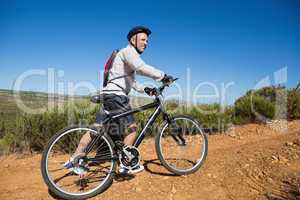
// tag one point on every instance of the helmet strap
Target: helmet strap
(135, 45)
(136, 40)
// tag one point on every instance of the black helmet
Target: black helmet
(138, 29)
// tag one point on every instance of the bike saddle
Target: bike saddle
(97, 98)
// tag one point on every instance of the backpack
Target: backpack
(108, 66)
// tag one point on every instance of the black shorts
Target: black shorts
(116, 104)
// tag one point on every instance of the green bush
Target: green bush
(270, 93)
(6, 144)
(2, 129)
(22, 132)
(253, 109)
(12, 143)
(31, 132)
(268, 103)
(211, 117)
(293, 108)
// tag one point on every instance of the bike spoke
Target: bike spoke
(182, 145)
(96, 170)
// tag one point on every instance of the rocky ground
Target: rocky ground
(248, 162)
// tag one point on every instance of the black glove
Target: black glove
(167, 79)
(150, 91)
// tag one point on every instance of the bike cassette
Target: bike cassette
(129, 157)
(80, 166)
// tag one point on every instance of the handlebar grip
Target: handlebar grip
(159, 90)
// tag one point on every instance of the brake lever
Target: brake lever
(161, 88)
(173, 80)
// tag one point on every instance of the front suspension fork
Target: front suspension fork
(176, 136)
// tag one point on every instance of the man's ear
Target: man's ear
(132, 39)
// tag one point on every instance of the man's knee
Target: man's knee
(131, 129)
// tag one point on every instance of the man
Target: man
(125, 65)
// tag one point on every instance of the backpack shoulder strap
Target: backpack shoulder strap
(108, 66)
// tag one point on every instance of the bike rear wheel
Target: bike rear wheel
(99, 164)
(181, 145)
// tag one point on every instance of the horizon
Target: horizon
(135, 96)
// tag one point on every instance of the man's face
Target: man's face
(142, 41)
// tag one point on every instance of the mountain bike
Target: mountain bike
(180, 142)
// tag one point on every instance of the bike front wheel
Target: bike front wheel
(181, 145)
(90, 175)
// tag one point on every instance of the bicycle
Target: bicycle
(181, 146)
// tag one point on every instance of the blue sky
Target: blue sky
(218, 41)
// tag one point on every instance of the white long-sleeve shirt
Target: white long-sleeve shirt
(128, 62)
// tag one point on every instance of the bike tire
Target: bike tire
(164, 160)
(65, 195)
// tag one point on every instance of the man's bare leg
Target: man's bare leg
(84, 141)
(130, 138)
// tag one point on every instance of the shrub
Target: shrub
(2, 129)
(11, 143)
(253, 109)
(293, 108)
(270, 93)
(22, 132)
(212, 117)
(38, 129)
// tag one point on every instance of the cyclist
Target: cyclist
(120, 81)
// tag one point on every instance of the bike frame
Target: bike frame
(157, 104)
(158, 110)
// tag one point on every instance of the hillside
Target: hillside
(41, 100)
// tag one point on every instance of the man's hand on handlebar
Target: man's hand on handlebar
(167, 80)
(150, 91)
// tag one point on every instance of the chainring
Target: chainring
(129, 157)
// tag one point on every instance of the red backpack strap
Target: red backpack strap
(108, 66)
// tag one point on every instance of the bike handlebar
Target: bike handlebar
(160, 89)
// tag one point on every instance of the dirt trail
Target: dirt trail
(249, 162)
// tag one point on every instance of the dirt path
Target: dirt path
(250, 162)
